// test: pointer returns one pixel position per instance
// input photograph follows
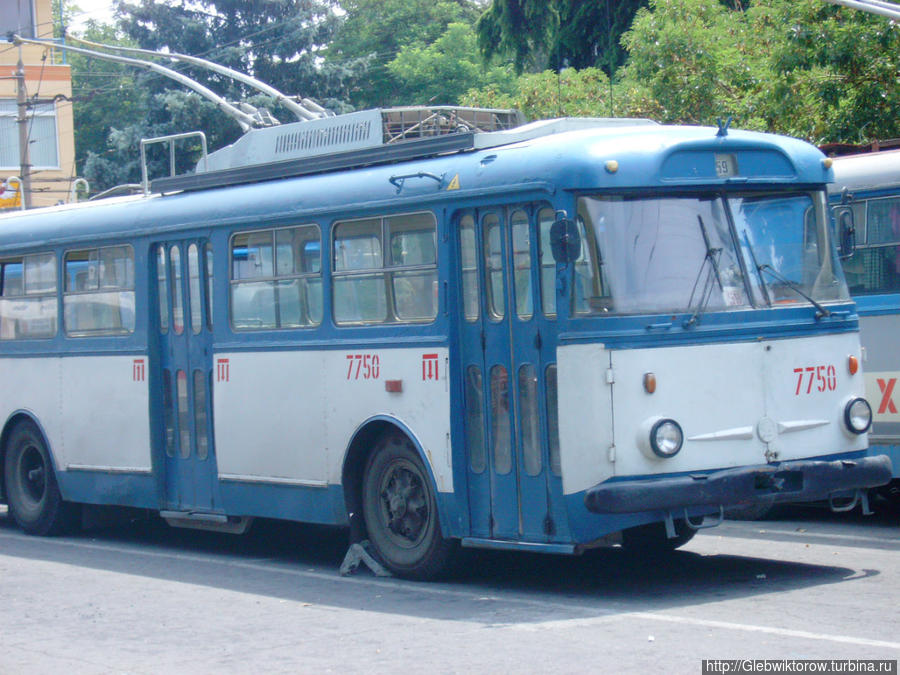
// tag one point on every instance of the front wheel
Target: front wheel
(31, 489)
(401, 513)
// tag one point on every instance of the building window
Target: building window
(18, 17)
(42, 136)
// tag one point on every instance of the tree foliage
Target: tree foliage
(445, 70)
(376, 31)
(691, 61)
(834, 71)
(540, 34)
(800, 67)
(277, 41)
(572, 93)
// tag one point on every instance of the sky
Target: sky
(100, 10)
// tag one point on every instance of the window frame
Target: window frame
(275, 277)
(41, 110)
(25, 295)
(388, 271)
(862, 211)
(100, 290)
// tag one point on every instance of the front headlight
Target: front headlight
(666, 438)
(858, 415)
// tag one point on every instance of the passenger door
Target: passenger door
(507, 348)
(183, 392)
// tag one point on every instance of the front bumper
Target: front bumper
(796, 481)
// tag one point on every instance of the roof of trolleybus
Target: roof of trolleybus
(871, 171)
(623, 156)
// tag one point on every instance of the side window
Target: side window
(359, 291)
(413, 261)
(468, 253)
(99, 291)
(521, 243)
(874, 266)
(546, 218)
(385, 269)
(28, 300)
(493, 266)
(276, 278)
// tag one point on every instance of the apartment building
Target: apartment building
(50, 127)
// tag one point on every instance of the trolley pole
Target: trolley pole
(22, 121)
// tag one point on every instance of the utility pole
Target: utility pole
(22, 121)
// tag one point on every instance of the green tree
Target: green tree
(799, 67)
(834, 71)
(540, 34)
(377, 30)
(278, 41)
(692, 61)
(575, 93)
(444, 70)
(105, 96)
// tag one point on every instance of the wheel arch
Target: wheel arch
(357, 454)
(16, 418)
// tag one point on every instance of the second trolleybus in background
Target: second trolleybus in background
(550, 337)
(868, 185)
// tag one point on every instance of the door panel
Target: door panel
(183, 389)
(504, 358)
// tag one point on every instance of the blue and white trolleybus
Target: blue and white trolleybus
(551, 337)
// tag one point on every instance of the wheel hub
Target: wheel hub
(405, 506)
(33, 474)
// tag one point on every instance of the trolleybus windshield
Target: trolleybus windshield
(714, 252)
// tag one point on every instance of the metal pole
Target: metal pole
(22, 121)
(884, 8)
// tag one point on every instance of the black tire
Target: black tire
(32, 493)
(651, 538)
(401, 513)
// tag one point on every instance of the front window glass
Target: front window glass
(680, 253)
(785, 243)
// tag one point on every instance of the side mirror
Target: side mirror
(565, 242)
(846, 228)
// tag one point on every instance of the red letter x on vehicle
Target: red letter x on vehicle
(887, 389)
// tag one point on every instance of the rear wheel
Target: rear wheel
(31, 489)
(401, 513)
(652, 538)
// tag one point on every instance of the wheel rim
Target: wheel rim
(32, 475)
(405, 505)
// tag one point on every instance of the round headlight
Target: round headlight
(858, 415)
(666, 438)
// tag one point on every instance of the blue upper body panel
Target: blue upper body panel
(648, 157)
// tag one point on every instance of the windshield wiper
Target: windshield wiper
(820, 310)
(711, 257)
(762, 281)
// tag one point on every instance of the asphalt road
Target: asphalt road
(144, 598)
